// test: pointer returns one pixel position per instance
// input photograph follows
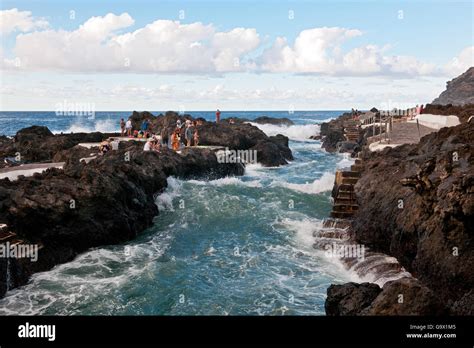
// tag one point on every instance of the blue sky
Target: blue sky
(323, 76)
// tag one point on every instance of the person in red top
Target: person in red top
(218, 116)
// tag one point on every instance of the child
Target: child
(175, 140)
(196, 138)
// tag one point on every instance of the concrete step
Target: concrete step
(16, 241)
(345, 207)
(358, 161)
(347, 196)
(6, 236)
(336, 223)
(357, 168)
(346, 188)
(345, 200)
(342, 214)
(350, 181)
(350, 174)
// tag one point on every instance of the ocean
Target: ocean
(232, 246)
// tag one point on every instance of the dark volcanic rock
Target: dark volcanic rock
(464, 112)
(465, 305)
(113, 200)
(238, 136)
(38, 144)
(405, 296)
(273, 120)
(261, 120)
(431, 233)
(332, 132)
(350, 298)
(459, 91)
(137, 118)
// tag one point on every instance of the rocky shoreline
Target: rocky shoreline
(110, 199)
(416, 203)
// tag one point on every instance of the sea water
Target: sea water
(231, 246)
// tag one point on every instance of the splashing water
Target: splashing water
(232, 246)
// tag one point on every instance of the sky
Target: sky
(231, 55)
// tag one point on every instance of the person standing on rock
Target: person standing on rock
(218, 116)
(196, 137)
(175, 140)
(144, 128)
(128, 127)
(188, 133)
(122, 127)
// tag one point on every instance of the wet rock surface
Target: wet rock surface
(107, 201)
(237, 136)
(350, 298)
(416, 203)
(110, 199)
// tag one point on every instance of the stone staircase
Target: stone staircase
(345, 203)
(375, 267)
(8, 236)
(351, 130)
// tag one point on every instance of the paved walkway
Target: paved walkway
(27, 169)
(402, 133)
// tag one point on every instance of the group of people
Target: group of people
(126, 129)
(189, 131)
(186, 133)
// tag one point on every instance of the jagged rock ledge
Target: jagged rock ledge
(113, 197)
(416, 203)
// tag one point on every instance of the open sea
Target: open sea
(232, 246)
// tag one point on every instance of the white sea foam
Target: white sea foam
(165, 200)
(227, 181)
(323, 184)
(345, 162)
(104, 126)
(294, 132)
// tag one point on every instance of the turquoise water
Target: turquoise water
(233, 246)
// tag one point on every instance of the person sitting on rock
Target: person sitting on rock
(156, 143)
(152, 144)
(104, 147)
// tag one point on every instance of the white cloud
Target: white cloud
(319, 51)
(461, 63)
(103, 44)
(13, 20)
(161, 46)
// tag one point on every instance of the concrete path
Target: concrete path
(27, 169)
(402, 133)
